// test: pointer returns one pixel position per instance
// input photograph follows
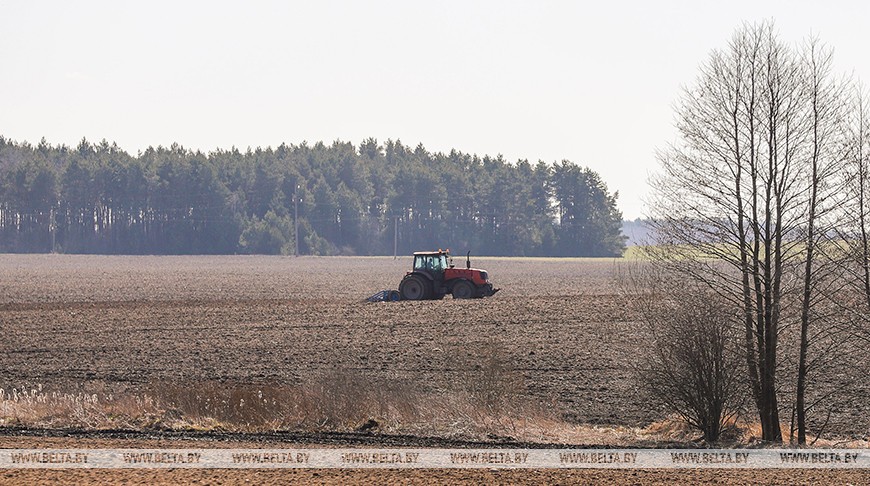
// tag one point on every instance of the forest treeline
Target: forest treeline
(97, 198)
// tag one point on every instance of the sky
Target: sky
(589, 82)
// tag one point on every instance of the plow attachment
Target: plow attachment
(385, 296)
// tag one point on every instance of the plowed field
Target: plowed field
(563, 338)
(129, 321)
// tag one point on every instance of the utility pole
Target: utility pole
(296, 222)
(395, 237)
(52, 228)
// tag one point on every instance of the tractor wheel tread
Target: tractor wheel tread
(414, 287)
(464, 290)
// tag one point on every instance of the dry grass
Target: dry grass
(35, 406)
(343, 402)
(484, 399)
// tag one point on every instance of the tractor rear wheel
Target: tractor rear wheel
(464, 290)
(413, 287)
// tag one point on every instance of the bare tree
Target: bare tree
(737, 204)
(855, 232)
(826, 116)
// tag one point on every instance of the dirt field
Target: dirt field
(130, 321)
(557, 338)
(434, 476)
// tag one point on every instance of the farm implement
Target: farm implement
(386, 296)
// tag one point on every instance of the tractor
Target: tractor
(435, 276)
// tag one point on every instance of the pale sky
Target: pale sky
(590, 82)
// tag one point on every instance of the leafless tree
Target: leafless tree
(744, 195)
(826, 112)
(855, 232)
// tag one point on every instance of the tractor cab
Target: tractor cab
(432, 262)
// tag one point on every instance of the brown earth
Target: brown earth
(435, 476)
(131, 325)
(131, 321)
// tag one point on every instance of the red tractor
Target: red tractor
(435, 276)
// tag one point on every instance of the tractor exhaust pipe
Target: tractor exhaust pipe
(468, 260)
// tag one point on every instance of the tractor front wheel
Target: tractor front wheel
(413, 287)
(464, 290)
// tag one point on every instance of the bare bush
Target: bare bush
(691, 364)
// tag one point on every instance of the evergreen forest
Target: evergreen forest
(344, 200)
